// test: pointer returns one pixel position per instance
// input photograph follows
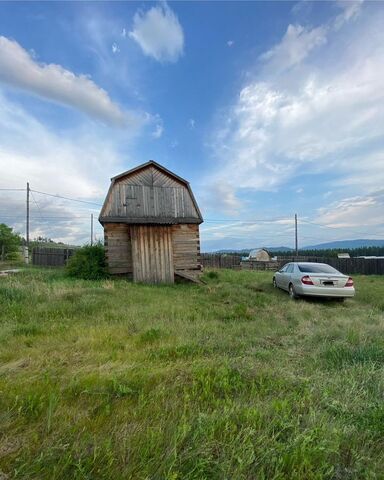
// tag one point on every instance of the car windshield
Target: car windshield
(316, 268)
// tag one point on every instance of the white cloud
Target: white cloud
(299, 41)
(354, 212)
(350, 11)
(115, 48)
(159, 33)
(226, 195)
(75, 163)
(192, 123)
(324, 118)
(295, 46)
(53, 82)
(158, 132)
(230, 43)
(248, 234)
(312, 122)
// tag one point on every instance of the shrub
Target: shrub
(213, 275)
(88, 263)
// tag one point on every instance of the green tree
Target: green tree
(9, 242)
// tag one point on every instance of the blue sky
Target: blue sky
(267, 108)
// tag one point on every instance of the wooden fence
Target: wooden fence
(214, 260)
(51, 257)
(257, 265)
(349, 266)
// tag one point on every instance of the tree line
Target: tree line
(333, 252)
(326, 253)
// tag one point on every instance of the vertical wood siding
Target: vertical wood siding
(152, 255)
(149, 193)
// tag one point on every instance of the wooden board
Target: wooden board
(186, 247)
(152, 254)
(118, 249)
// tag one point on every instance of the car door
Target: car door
(286, 276)
(279, 276)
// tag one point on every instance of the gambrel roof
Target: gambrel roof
(150, 193)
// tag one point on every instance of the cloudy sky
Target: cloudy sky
(268, 109)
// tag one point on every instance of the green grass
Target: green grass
(229, 380)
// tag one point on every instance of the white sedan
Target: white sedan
(314, 279)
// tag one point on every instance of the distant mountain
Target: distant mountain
(346, 244)
(245, 251)
(340, 244)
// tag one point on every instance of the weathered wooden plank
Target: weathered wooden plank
(141, 201)
(152, 254)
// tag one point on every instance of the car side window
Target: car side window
(284, 269)
(290, 268)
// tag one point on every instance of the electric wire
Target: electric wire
(220, 222)
(66, 198)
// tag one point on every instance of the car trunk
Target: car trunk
(328, 280)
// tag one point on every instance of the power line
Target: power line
(13, 189)
(37, 205)
(236, 222)
(41, 216)
(66, 198)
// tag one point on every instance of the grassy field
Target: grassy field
(229, 380)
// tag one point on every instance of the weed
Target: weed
(151, 335)
(339, 356)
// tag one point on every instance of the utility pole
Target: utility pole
(27, 226)
(296, 241)
(91, 229)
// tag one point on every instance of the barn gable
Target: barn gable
(150, 194)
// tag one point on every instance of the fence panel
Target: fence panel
(214, 260)
(348, 266)
(51, 257)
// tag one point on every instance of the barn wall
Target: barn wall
(152, 253)
(186, 247)
(118, 248)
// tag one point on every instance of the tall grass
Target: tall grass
(228, 380)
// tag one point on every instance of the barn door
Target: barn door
(152, 254)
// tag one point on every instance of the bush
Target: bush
(88, 263)
(213, 275)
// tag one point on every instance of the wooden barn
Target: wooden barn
(151, 226)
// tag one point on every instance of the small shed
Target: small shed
(259, 255)
(151, 226)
